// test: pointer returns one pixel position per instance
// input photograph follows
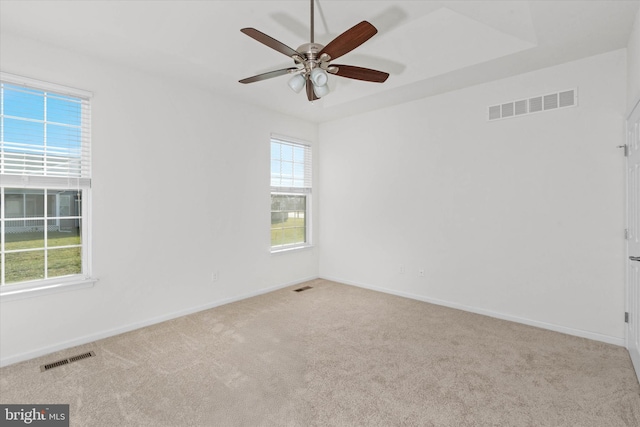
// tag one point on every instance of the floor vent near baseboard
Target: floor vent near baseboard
(304, 288)
(535, 104)
(66, 361)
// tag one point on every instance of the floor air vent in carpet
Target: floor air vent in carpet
(302, 289)
(66, 361)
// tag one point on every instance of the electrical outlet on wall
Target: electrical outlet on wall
(401, 269)
(214, 276)
(421, 272)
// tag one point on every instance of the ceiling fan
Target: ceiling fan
(312, 60)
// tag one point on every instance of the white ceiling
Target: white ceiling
(428, 47)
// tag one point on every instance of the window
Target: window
(45, 184)
(290, 194)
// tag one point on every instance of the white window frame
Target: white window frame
(295, 190)
(26, 289)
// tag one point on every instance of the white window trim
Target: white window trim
(38, 288)
(283, 250)
(35, 288)
(39, 84)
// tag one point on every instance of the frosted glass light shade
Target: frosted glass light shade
(321, 91)
(296, 83)
(319, 77)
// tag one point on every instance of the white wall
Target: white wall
(519, 218)
(633, 65)
(180, 189)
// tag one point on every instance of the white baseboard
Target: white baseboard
(137, 325)
(549, 326)
(133, 326)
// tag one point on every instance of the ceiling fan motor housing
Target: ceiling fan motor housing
(310, 50)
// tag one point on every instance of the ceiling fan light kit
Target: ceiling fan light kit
(296, 83)
(312, 60)
(320, 91)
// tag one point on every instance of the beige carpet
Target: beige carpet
(336, 355)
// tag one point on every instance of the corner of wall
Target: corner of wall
(633, 65)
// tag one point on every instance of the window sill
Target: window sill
(277, 251)
(44, 287)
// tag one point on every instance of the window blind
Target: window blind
(290, 166)
(44, 134)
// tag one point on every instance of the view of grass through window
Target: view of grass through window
(30, 265)
(288, 219)
(33, 251)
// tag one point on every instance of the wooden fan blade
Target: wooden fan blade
(268, 75)
(349, 40)
(269, 41)
(311, 95)
(359, 73)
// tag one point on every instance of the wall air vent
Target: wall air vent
(536, 104)
(521, 107)
(567, 98)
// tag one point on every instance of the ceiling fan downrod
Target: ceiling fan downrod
(312, 22)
